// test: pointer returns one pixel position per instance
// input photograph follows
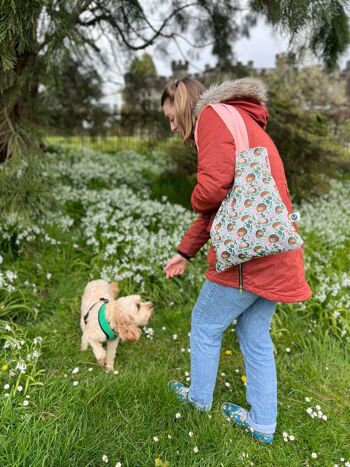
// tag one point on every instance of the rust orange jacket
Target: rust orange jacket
(280, 277)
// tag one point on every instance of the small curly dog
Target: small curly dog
(105, 317)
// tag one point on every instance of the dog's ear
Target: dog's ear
(127, 329)
(115, 289)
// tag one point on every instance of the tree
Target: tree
(71, 98)
(36, 35)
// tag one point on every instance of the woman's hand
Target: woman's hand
(175, 266)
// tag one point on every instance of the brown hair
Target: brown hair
(184, 94)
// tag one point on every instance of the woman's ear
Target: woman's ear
(127, 329)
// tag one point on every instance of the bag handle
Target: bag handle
(235, 124)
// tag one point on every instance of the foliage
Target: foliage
(25, 188)
(322, 26)
(301, 127)
(71, 97)
(109, 226)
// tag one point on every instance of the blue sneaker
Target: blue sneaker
(182, 393)
(180, 390)
(239, 416)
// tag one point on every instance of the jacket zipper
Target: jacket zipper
(240, 273)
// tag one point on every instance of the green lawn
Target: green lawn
(129, 416)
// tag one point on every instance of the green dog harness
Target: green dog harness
(102, 320)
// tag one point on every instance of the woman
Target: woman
(249, 292)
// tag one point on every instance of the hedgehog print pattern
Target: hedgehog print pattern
(252, 220)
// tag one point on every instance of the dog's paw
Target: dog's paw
(109, 368)
(102, 362)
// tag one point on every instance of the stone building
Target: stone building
(146, 97)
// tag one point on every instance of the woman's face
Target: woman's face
(169, 112)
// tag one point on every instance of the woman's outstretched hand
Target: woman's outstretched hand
(175, 266)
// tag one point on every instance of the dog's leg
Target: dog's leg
(99, 352)
(84, 343)
(111, 351)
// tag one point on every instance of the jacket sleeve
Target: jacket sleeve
(197, 235)
(216, 162)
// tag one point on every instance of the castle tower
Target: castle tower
(179, 69)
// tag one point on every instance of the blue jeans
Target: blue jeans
(217, 306)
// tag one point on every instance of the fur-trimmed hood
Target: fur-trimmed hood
(245, 88)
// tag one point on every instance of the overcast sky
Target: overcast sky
(262, 46)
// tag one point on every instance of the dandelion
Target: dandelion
(159, 463)
(75, 370)
(195, 450)
(4, 367)
(178, 415)
(228, 352)
(105, 459)
(314, 455)
(244, 379)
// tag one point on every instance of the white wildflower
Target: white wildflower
(314, 455)
(195, 450)
(105, 459)
(75, 370)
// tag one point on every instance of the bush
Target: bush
(310, 154)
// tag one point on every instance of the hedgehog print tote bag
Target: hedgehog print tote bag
(252, 220)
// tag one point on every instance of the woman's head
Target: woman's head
(178, 102)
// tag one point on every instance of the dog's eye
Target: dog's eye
(138, 306)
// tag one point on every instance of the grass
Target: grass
(119, 415)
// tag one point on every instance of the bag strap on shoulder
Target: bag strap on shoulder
(235, 124)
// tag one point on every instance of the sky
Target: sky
(262, 46)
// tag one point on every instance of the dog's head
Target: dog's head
(128, 314)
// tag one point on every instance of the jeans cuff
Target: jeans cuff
(266, 429)
(197, 405)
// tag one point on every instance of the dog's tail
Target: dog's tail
(115, 289)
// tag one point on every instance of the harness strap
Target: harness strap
(105, 300)
(102, 320)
